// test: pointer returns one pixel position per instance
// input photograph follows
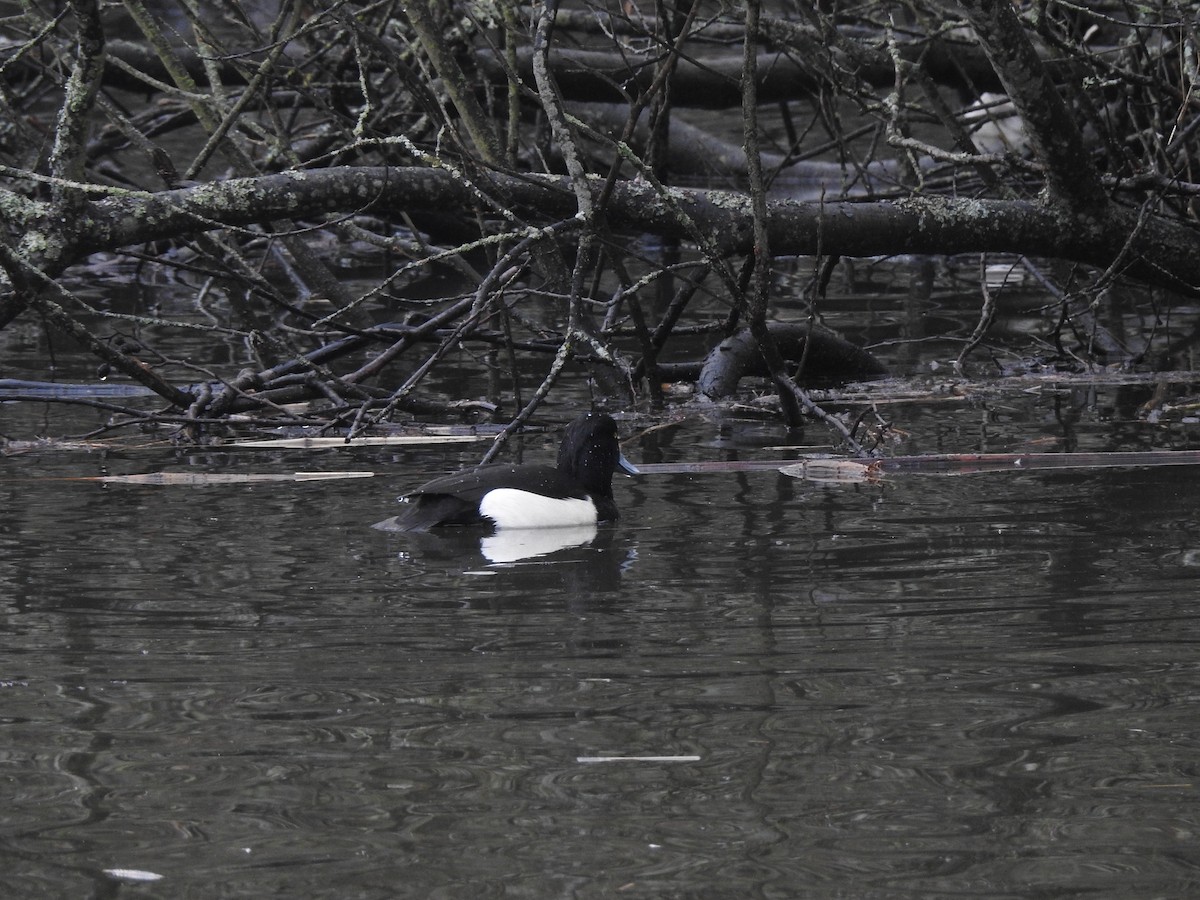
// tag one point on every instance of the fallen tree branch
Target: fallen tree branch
(1164, 253)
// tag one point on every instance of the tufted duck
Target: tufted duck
(576, 492)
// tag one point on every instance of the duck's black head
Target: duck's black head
(590, 453)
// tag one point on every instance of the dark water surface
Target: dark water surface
(966, 687)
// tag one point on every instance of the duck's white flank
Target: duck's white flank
(513, 508)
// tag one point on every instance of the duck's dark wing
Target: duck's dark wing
(454, 499)
(424, 511)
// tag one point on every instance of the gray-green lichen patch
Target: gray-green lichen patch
(731, 201)
(16, 210)
(943, 211)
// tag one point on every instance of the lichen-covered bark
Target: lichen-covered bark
(1162, 252)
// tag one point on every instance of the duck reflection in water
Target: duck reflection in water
(521, 570)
